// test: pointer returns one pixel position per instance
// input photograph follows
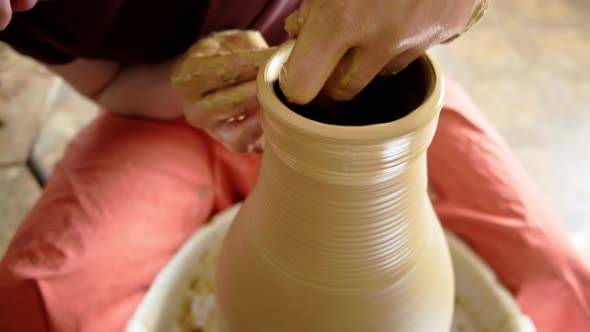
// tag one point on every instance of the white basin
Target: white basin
(184, 288)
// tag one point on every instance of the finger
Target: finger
(401, 61)
(239, 136)
(318, 49)
(240, 40)
(224, 105)
(357, 69)
(227, 41)
(196, 76)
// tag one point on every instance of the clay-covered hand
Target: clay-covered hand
(343, 44)
(217, 77)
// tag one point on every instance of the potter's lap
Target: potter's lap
(129, 186)
(484, 195)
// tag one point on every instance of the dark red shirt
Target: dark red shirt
(136, 31)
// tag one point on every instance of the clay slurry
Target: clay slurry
(385, 99)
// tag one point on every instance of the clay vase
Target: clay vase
(339, 233)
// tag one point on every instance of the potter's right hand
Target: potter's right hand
(343, 44)
(217, 77)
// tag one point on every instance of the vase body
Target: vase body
(338, 233)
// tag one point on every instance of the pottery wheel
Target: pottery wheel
(182, 298)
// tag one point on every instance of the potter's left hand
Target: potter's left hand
(343, 44)
(216, 78)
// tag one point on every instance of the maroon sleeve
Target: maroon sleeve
(31, 45)
(58, 31)
(136, 31)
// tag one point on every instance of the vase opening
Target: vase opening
(383, 100)
(387, 108)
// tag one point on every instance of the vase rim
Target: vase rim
(426, 112)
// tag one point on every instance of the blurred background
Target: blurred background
(526, 64)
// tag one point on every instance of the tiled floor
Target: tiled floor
(23, 102)
(527, 65)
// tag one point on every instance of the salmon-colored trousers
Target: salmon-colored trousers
(129, 192)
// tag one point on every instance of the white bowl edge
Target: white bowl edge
(159, 309)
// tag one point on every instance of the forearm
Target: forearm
(143, 90)
(88, 77)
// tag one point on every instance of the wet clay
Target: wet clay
(385, 99)
(338, 233)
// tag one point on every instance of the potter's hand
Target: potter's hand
(217, 79)
(343, 44)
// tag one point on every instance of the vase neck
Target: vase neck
(335, 208)
(354, 161)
